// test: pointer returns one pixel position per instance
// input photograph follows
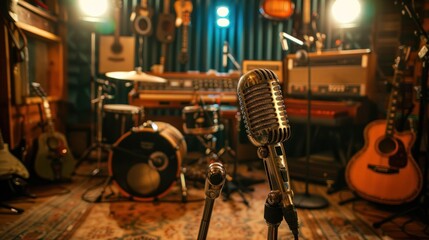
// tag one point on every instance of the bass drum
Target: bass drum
(145, 162)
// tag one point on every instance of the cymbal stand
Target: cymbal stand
(215, 180)
(98, 144)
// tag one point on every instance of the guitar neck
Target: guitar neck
(399, 66)
(185, 38)
(48, 114)
(393, 102)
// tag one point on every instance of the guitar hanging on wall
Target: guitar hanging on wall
(384, 170)
(183, 10)
(277, 9)
(165, 31)
(116, 52)
(53, 159)
(141, 19)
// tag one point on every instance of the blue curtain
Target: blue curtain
(250, 35)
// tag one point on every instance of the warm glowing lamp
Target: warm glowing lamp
(346, 11)
(94, 10)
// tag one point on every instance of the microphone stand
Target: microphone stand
(215, 180)
(305, 200)
(231, 58)
(279, 203)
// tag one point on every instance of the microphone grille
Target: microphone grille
(262, 106)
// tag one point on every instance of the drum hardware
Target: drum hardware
(202, 121)
(98, 144)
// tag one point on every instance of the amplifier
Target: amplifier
(275, 66)
(336, 74)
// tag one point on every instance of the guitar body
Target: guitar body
(384, 171)
(53, 160)
(165, 31)
(142, 20)
(10, 165)
(277, 9)
(116, 52)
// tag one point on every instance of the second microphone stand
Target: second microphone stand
(215, 180)
(307, 200)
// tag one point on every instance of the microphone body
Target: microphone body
(264, 114)
(262, 106)
(225, 51)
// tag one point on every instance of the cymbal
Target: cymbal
(137, 76)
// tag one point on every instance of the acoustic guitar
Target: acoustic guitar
(53, 160)
(183, 9)
(277, 9)
(117, 52)
(9, 164)
(384, 170)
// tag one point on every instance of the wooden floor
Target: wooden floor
(408, 226)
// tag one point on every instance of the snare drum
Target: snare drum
(118, 119)
(199, 120)
(145, 162)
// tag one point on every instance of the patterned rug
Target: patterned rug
(232, 219)
(55, 218)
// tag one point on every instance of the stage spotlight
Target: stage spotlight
(222, 13)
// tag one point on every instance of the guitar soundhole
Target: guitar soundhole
(143, 24)
(387, 146)
(116, 48)
(53, 143)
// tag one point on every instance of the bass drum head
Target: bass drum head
(145, 162)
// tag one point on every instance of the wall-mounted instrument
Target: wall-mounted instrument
(277, 9)
(384, 171)
(183, 10)
(141, 19)
(116, 52)
(165, 31)
(53, 160)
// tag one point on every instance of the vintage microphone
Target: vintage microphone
(264, 114)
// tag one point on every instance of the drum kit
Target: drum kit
(145, 157)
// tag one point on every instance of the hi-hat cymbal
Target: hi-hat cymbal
(137, 76)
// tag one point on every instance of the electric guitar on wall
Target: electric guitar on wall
(384, 170)
(53, 160)
(183, 9)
